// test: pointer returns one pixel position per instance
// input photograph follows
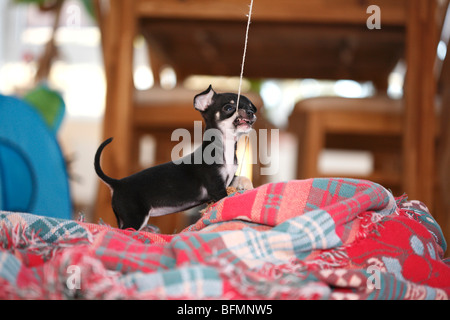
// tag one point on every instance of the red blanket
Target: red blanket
(308, 239)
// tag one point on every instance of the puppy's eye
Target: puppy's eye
(228, 108)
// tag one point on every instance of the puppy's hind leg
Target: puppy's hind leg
(129, 214)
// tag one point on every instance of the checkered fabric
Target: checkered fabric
(305, 239)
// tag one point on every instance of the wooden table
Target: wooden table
(325, 39)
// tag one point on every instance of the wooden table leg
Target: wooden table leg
(443, 174)
(420, 89)
(119, 31)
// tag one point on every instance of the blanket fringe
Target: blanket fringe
(286, 281)
(30, 248)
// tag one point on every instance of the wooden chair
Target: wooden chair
(372, 124)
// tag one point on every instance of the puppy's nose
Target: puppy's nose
(246, 113)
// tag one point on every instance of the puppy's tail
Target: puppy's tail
(108, 180)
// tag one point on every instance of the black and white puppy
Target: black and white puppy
(197, 178)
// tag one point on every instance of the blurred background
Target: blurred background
(331, 83)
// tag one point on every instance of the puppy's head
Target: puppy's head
(219, 111)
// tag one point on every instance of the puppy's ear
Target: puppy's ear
(203, 100)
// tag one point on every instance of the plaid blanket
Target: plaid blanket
(306, 239)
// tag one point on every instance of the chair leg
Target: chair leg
(119, 100)
(313, 143)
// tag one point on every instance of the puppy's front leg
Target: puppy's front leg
(241, 183)
(217, 193)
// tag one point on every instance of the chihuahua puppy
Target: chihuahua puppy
(188, 182)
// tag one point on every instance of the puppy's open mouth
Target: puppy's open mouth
(243, 123)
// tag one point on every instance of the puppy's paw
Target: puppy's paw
(231, 190)
(242, 183)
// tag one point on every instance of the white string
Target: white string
(245, 53)
(246, 139)
(241, 78)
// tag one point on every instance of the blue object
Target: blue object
(33, 175)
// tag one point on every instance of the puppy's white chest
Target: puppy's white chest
(229, 168)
